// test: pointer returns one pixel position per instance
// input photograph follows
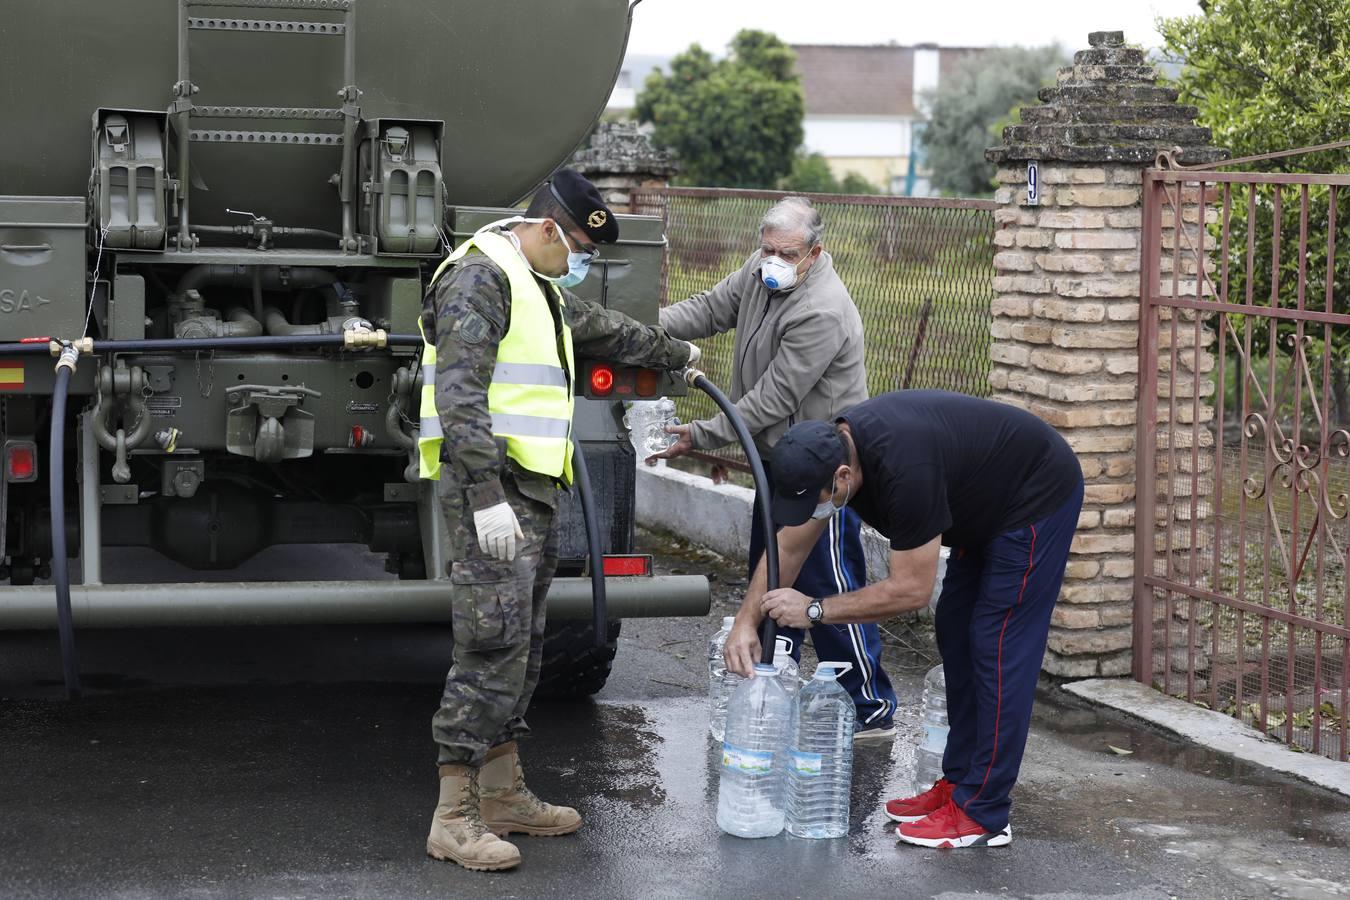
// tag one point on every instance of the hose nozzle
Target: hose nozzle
(690, 375)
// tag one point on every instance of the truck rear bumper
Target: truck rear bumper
(327, 602)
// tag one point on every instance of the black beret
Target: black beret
(582, 201)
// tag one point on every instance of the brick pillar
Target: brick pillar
(1066, 311)
(621, 159)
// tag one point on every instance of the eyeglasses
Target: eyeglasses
(591, 252)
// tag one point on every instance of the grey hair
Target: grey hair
(794, 214)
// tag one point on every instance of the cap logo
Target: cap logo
(597, 219)
(802, 491)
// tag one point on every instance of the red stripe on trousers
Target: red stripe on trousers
(998, 708)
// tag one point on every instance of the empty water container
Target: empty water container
(750, 796)
(820, 756)
(933, 743)
(719, 685)
(646, 421)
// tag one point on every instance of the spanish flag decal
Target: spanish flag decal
(11, 374)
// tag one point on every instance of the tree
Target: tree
(735, 122)
(978, 94)
(811, 174)
(1271, 75)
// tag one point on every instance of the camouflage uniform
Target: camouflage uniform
(498, 607)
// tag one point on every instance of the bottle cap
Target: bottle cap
(765, 669)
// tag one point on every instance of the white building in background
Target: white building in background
(864, 105)
(865, 108)
(634, 71)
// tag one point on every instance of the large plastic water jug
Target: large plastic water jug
(750, 796)
(820, 756)
(719, 685)
(722, 683)
(933, 743)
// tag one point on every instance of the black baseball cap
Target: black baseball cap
(584, 204)
(803, 463)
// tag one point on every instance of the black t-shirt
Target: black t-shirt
(965, 468)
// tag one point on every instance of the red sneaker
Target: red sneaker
(912, 809)
(949, 828)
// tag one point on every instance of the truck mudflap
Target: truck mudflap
(327, 602)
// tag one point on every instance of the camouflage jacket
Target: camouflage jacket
(468, 310)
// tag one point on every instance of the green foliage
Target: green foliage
(978, 94)
(735, 122)
(811, 174)
(853, 183)
(1271, 75)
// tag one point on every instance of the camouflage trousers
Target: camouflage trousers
(497, 612)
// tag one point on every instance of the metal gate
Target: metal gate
(1243, 484)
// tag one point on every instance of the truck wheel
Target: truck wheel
(573, 666)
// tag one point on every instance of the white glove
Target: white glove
(695, 354)
(498, 531)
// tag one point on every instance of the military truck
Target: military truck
(238, 168)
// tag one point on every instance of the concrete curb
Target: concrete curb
(1212, 729)
(717, 516)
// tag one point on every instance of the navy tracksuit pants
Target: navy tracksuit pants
(992, 621)
(836, 566)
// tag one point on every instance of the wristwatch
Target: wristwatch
(815, 610)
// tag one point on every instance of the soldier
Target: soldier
(798, 356)
(499, 336)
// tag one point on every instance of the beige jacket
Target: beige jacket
(798, 356)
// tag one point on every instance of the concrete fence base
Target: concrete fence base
(717, 516)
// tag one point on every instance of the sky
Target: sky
(666, 27)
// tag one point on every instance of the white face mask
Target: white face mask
(827, 509)
(778, 274)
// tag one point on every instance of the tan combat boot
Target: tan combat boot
(508, 805)
(457, 830)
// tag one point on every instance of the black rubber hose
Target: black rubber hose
(768, 630)
(599, 602)
(169, 345)
(56, 479)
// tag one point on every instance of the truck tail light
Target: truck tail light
(618, 566)
(602, 381)
(21, 461)
(648, 382)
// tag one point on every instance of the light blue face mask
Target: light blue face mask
(578, 264)
(827, 509)
(578, 261)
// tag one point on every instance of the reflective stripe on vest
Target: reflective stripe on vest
(530, 397)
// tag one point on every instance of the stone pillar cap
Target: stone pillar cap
(1107, 108)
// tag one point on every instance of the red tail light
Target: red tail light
(648, 382)
(602, 381)
(21, 461)
(615, 566)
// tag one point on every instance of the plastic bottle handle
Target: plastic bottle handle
(839, 668)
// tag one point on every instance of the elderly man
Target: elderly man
(798, 356)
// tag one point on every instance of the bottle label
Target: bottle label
(805, 764)
(754, 762)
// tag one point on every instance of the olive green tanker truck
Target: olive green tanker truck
(224, 214)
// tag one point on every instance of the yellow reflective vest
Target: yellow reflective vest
(530, 397)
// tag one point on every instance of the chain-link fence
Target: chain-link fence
(919, 269)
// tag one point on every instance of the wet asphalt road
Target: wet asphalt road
(290, 763)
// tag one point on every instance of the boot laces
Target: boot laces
(525, 794)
